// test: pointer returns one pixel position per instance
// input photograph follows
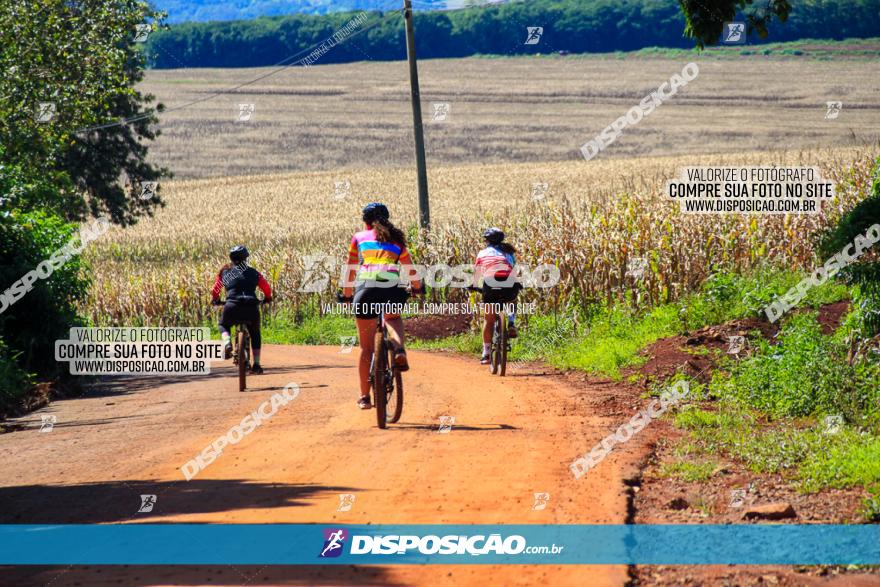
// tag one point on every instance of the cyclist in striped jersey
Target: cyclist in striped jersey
(495, 263)
(380, 251)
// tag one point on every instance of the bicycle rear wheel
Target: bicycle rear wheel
(241, 344)
(494, 357)
(380, 356)
(393, 391)
(502, 344)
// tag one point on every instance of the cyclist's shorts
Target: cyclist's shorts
(500, 295)
(367, 299)
(237, 313)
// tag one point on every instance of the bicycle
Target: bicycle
(241, 348)
(386, 380)
(500, 341)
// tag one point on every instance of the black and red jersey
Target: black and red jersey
(241, 283)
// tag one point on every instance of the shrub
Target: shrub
(32, 323)
(13, 380)
(806, 373)
(865, 273)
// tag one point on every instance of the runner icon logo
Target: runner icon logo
(346, 344)
(346, 501)
(45, 111)
(142, 31)
(833, 424)
(734, 33)
(48, 422)
(341, 189)
(446, 423)
(440, 111)
(736, 344)
(245, 111)
(541, 500)
(333, 541)
(148, 190)
(539, 190)
(147, 504)
(533, 34)
(833, 110)
(737, 498)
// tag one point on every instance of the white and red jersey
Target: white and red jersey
(492, 262)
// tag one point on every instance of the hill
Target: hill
(574, 26)
(214, 10)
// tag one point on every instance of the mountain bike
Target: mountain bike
(500, 340)
(241, 348)
(386, 380)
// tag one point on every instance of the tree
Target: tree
(864, 273)
(705, 18)
(68, 105)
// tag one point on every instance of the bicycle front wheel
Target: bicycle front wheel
(241, 344)
(494, 356)
(393, 392)
(380, 357)
(502, 344)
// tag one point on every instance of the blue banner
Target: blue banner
(308, 544)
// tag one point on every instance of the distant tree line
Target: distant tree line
(575, 26)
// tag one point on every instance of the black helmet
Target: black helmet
(375, 211)
(238, 253)
(493, 236)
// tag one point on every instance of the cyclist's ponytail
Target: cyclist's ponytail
(386, 232)
(506, 248)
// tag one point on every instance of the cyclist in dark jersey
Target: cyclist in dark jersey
(242, 306)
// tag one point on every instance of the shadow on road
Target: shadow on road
(463, 427)
(119, 501)
(197, 575)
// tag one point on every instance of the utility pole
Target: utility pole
(418, 131)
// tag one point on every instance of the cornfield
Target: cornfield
(594, 218)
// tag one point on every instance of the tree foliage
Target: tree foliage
(80, 57)
(865, 273)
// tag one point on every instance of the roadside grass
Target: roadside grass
(614, 336)
(870, 510)
(804, 374)
(463, 343)
(819, 49)
(283, 328)
(804, 450)
(689, 471)
(797, 407)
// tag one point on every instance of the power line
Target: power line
(279, 66)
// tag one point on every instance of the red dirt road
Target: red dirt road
(512, 437)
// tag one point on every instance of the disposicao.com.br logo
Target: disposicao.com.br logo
(453, 544)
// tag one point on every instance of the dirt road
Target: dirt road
(512, 438)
